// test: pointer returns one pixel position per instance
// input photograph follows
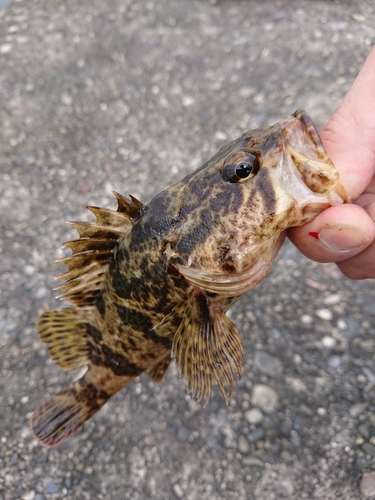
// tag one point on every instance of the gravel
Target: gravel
(132, 96)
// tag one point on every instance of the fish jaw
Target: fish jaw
(308, 173)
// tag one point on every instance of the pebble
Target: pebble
(178, 490)
(364, 431)
(325, 314)
(211, 441)
(367, 486)
(305, 410)
(359, 441)
(253, 461)
(286, 456)
(187, 101)
(256, 435)
(369, 374)
(334, 362)
(357, 410)
(268, 364)
(372, 440)
(243, 445)
(363, 463)
(369, 308)
(265, 397)
(29, 495)
(254, 416)
(328, 342)
(52, 488)
(297, 384)
(183, 433)
(369, 449)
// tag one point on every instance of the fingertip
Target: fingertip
(337, 234)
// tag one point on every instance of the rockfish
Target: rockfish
(151, 283)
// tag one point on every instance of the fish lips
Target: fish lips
(308, 173)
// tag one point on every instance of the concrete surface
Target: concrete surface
(118, 94)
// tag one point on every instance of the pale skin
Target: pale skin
(345, 234)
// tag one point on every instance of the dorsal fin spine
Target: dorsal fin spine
(93, 251)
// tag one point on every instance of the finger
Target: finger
(349, 136)
(337, 234)
(363, 265)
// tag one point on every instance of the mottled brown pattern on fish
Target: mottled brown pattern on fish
(147, 282)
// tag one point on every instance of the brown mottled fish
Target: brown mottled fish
(148, 283)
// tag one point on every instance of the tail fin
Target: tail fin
(63, 414)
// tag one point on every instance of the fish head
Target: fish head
(234, 210)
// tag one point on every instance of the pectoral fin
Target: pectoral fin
(207, 347)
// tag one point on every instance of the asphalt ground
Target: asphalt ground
(100, 95)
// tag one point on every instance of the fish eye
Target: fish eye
(240, 167)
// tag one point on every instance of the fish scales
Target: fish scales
(149, 283)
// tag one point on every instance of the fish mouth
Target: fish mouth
(309, 174)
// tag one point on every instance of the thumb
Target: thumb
(336, 235)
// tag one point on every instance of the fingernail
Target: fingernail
(343, 238)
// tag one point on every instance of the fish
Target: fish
(148, 283)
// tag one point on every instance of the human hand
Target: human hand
(345, 234)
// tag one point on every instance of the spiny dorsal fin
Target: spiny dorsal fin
(207, 347)
(92, 252)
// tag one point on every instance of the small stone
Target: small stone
(68, 482)
(254, 416)
(220, 136)
(5, 48)
(332, 299)
(187, 101)
(149, 440)
(367, 485)
(328, 342)
(183, 433)
(178, 490)
(256, 435)
(52, 488)
(29, 495)
(357, 410)
(265, 397)
(325, 314)
(268, 364)
(243, 445)
(305, 410)
(359, 441)
(80, 467)
(334, 362)
(66, 99)
(321, 411)
(363, 463)
(286, 456)
(364, 431)
(369, 449)
(372, 440)
(211, 441)
(306, 319)
(253, 461)
(369, 374)
(297, 384)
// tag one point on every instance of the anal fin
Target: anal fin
(158, 371)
